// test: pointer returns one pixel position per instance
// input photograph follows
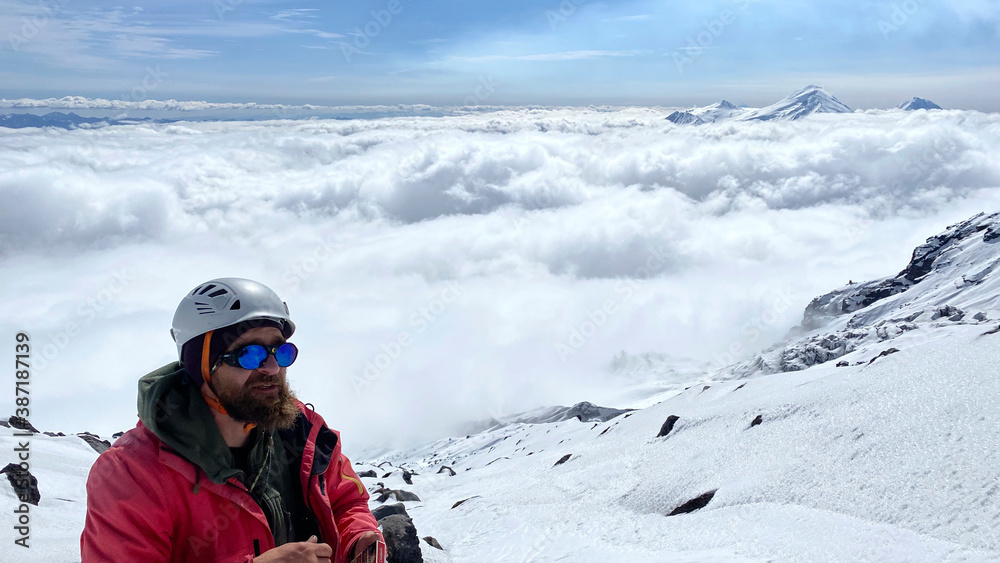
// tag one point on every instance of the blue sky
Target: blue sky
(444, 52)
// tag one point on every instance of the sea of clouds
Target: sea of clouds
(447, 269)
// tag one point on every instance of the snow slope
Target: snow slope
(888, 458)
(892, 457)
(61, 465)
(885, 462)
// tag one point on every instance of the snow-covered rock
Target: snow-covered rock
(685, 118)
(718, 112)
(803, 103)
(918, 103)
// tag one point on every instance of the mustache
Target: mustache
(263, 379)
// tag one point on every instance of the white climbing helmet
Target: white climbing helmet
(223, 302)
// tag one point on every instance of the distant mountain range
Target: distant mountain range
(65, 120)
(805, 102)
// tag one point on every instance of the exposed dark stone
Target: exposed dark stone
(433, 542)
(457, 504)
(756, 421)
(449, 469)
(563, 459)
(884, 354)
(407, 477)
(994, 331)
(383, 463)
(387, 474)
(400, 495)
(24, 483)
(117, 435)
(495, 460)
(401, 539)
(380, 512)
(980, 316)
(694, 504)
(843, 364)
(742, 385)
(605, 431)
(668, 425)
(93, 440)
(368, 473)
(953, 314)
(4, 423)
(21, 424)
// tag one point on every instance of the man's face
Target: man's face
(260, 396)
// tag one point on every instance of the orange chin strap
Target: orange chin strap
(206, 375)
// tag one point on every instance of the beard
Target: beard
(276, 412)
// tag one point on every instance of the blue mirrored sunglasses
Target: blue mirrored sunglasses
(253, 356)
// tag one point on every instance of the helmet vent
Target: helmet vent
(217, 293)
(206, 289)
(236, 306)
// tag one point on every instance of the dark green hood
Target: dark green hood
(176, 412)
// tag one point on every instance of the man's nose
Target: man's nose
(270, 366)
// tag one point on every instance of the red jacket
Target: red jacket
(147, 504)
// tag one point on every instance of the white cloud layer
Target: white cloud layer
(459, 262)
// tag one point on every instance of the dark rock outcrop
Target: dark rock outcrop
(446, 468)
(401, 539)
(696, 503)
(923, 261)
(381, 512)
(432, 542)
(884, 354)
(401, 495)
(459, 503)
(93, 440)
(407, 477)
(368, 473)
(21, 424)
(757, 421)
(563, 459)
(668, 425)
(24, 483)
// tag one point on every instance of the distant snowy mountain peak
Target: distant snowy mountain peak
(805, 102)
(948, 284)
(685, 118)
(918, 103)
(725, 104)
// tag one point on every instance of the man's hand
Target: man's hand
(309, 551)
(370, 548)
